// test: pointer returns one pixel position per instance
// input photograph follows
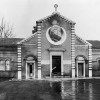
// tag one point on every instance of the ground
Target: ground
(50, 89)
(27, 90)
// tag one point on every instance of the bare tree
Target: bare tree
(6, 31)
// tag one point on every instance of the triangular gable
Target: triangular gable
(58, 14)
(29, 40)
(80, 41)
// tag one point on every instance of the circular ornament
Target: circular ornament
(56, 35)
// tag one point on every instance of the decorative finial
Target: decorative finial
(56, 6)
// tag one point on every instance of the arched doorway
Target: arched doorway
(80, 66)
(30, 67)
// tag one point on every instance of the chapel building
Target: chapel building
(53, 50)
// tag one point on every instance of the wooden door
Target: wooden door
(80, 69)
(56, 65)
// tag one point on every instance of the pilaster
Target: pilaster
(39, 49)
(19, 61)
(90, 60)
(73, 49)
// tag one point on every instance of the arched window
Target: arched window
(7, 62)
(2, 65)
(98, 61)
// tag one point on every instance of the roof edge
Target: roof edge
(84, 41)
(27, 38)
(45, 18)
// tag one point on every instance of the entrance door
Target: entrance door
(30, 70)
(56, 65)
(80, 69)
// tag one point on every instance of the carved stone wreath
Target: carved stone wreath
(56, 35)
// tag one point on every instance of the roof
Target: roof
(95, 44)
(14, 41)
(9, 41)
(56, 13)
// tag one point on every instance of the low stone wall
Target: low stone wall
(12, 74)
(96, 73)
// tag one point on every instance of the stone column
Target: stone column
(73, 49)
(19, 62)
(39, 48)
(90, 60)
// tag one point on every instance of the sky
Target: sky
(23, 14)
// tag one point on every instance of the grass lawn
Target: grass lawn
(27, 90)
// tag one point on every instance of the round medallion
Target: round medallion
(56, 35)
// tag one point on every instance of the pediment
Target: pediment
(56, 15)
(79, 42)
